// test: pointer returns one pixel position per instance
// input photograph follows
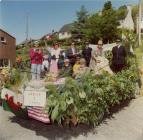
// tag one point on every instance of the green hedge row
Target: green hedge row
(87, 99)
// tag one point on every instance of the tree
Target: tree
(107, 6)
(129, 39)
(103, 26)
(82, 15)
(122, 12)
(79, 25)
(109, 23)
(93, 28)
(135, 10)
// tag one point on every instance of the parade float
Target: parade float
(71, 101)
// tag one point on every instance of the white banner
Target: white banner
(106, 47)
(34, 98)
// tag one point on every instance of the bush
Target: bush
(86, 99)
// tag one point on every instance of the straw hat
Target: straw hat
(87, 42)
(36, 45)
(66, 60)
(100, 42)
(82, 61)
(118, 40)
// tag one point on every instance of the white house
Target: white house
(65, 32)
(128, 22)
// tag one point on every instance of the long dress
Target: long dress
(53, 67)
(99, 63)
(54, 62)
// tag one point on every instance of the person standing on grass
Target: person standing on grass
(119, 57)
(36, 57)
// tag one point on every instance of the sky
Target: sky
(45, 15)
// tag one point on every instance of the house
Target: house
(65, 32)
(49, 36)
(7, 49)
(26, 42)
(128, 22)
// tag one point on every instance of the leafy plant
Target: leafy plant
(88, 98)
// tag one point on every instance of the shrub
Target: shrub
(86, 99)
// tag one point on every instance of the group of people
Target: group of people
(72, 62)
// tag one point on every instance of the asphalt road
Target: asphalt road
(125, 124)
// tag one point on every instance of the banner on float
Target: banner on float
(34, 98)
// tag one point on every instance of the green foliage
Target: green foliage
(108, 55)
(79, 25)
(15, 77)
(86, 99)
(135, 10)
(129, 39)
(97, 26)
(107, 6)
(109, 24)
(122, 12)
(82, 15)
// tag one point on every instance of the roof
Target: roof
(7, 33)
(66, 28)
(26, 41)
(49, 34)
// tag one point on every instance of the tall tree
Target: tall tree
(82, 15)
(122, 12)
(103, 25)
(135, 10)
(109, 23)
(79, 24)
(107, 6)
(93, 28)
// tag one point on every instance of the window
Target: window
(3, 39)
(4, 62)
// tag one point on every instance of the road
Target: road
(125, 124)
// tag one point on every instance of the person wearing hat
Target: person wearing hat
(95, 53)
(36, 58)
(99, 63)
(119, 57)
(66, 70)
(86, 52)
(99, 50)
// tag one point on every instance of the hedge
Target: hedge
(88, 98)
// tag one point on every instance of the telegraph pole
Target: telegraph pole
(27, 26)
